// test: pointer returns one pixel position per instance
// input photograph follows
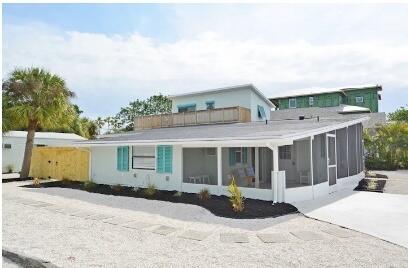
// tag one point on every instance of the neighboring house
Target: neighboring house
(326, 102)
(14, 145)
(363, 96)
(192, 149)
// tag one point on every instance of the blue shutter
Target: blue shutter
(232, 156)
(244, 155)
(119, 158)
(159, 159)
(164, 159)
(125, 159)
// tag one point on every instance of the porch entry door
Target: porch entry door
(331, 161)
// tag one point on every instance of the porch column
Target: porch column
(275, 155)
(219, 166)
(311, 164)
(256, 167)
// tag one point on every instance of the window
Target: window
(292, 103)
(285, 152)
(311, 101)
(143, 157)
(122, 160)
(186, 108)
(7, 146)
(210, 105)
(164, 159)
(261, 112)
(238, 155)
(359, 99)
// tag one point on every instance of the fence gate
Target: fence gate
(60, 163)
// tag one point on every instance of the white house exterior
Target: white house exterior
(247, 96)
(282, 160)
(13, 145)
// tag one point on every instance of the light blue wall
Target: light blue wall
(229, 98)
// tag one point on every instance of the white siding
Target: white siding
(103, 171)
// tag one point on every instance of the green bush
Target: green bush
(10, 168)
(177, 194)
(236, 198)
(89, 185)
(204, 194)
(117, 188)
(150, 191)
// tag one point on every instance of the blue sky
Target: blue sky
(111, 54)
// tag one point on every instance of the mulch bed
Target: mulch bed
(15, 179)
(218, 205)
(371, 185)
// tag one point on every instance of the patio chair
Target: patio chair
(250, 175)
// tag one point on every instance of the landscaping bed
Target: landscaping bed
(218, 205)
(371, 185)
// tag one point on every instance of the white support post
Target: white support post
(256, 167)
(219, 166)
(311, 164)
(275, 158)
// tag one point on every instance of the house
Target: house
(331, 102)
(14, 145)
(210, 138)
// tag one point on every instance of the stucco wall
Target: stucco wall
(103, 170)
(15, 155)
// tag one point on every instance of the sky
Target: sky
(111, 54)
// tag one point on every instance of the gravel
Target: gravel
(69, 241)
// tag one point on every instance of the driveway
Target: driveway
(378, 214)
(397, 182)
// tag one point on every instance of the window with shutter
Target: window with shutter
(164, 159)
(122, 158)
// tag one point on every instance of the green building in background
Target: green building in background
(366, 97)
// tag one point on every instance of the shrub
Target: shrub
(10, 168)
(116, 188)
(135, 189)
(36, 182)
(89, 185)
(204, 194)
(178, 194)
(236, 198)
(65, 181)
(150, 190)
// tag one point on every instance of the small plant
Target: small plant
(65, 181)
(10, 168)
(177, 194)
(236, 198)
(89, 185)
(135, 189)
(150, 190)
(204, 194)
(36, 182)
(372, 185)
(117, 188)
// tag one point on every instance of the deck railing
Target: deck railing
(201, 117)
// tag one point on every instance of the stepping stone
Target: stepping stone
(54, 208)
(339, 232)
(234, 238)
(116, 221)
(195, 235)
(99, 217)
(307, 235)
(41, 204)
(164, 230)
(69, 211)
(82, 214)
(26, 201)
(137, 225)
(273, 238)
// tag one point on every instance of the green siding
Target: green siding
(370, 96)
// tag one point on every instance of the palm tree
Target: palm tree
(38, 99)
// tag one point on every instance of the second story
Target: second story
(244, 103)
(245, 96)
(366, 96)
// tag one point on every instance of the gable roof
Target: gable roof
(45, 135)
(252, 131)
(317, 91)
(225, 89)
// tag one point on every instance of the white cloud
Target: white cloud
(109, 71)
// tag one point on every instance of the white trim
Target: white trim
(292, 107)
(219, 166)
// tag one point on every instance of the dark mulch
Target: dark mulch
(218, 205)
(371, 185)
(15, 179)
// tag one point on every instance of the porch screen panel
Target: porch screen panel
(319, 159)
(360, 149)
(341, 148)
(295, 160)
(238, 163)
(200, 165)
(352, 150)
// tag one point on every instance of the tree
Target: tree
(156, 104)
(400, 114)
(36, 98)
